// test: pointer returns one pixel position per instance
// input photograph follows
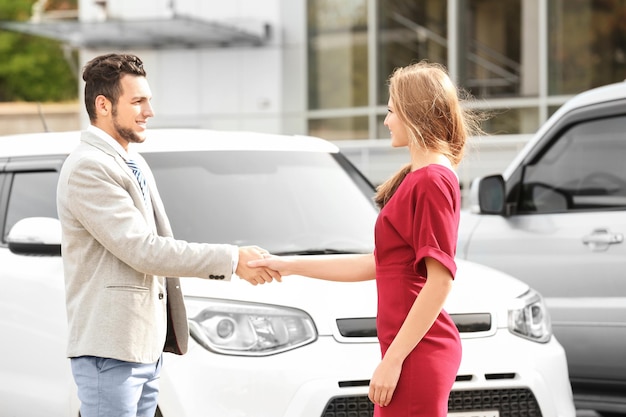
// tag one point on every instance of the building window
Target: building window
(519, 70)
(409, 31)
(489, 45)
(337, 54)
(587, 44)
(512, 121)
(339, 128)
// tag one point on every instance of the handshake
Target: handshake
(260, 273)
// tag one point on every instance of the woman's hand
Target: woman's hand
(276, 263)
(384, 382)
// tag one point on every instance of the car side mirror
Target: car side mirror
(35, 236)
(487, 195)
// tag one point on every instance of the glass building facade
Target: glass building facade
(521, 59)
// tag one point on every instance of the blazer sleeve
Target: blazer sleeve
(101, 197)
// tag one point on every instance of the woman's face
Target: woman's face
(397, 128)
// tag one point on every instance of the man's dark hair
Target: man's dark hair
(102, 77)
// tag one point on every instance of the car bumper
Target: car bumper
(510, 362)
(301, 382)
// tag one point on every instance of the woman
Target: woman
(415, 243)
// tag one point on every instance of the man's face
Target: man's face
(132, 110)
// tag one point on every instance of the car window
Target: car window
(32, 194)
(282, 201)
(584, 169)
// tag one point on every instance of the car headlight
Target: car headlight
(247, 329)
(531, 320)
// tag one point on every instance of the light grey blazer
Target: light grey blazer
(116, 256)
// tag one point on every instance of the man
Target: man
(118, 248)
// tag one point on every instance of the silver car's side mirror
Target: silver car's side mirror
(36, 236)
(487, 195)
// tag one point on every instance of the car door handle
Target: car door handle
(600, 239)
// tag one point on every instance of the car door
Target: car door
(566, 240)
(35, 377)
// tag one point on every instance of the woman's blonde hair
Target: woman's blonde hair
(429, 104)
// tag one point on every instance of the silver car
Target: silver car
(556, 219)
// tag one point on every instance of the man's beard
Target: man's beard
(124, 133)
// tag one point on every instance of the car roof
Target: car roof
(604, 94)
(168, 140)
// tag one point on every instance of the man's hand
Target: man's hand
(254, 275)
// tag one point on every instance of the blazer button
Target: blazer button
(161, 296)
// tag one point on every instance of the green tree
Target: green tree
(33, 68)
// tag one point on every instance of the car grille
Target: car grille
(518, 402)
(366, 326)
(356, 406)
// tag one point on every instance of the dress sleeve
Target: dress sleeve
(435, 222)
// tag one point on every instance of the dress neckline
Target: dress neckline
(435, 165)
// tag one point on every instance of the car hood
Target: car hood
(477, 289)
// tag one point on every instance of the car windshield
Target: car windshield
(285, 202)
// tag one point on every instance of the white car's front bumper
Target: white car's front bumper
(302, 382)
(507, 362)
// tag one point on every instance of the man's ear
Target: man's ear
(103, 105)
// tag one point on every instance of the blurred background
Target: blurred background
(313, 67)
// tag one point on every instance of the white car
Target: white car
(301, 348)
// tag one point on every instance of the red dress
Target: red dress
(420, 220)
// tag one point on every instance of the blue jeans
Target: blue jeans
(109, 387)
